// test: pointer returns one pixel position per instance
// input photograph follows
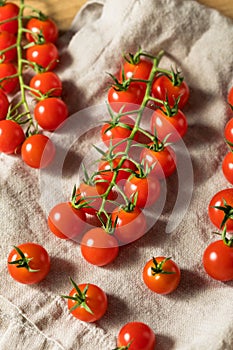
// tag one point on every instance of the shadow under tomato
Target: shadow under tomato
(164, 342)
(117, 310)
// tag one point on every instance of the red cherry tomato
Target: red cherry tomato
(46, 27)
(7, 40)
(8, 11)
(66, 222)
(146, 188)
(4, 105)
(130, 225)
(230, 97)
(99, 247)
(50, 113)
(227, 167)
(8, 85)
(164, 161)
(228, 132)
(218, 261)
(126, 100)
(106, 169)
(38, 151)
(87, 302)
(30, 264)
(163, 87)
(223, 199)
(175, 126)
(136, 335)
(47, 83)
(45, 55)
(140, 70)
(11, 136)
(161, 275)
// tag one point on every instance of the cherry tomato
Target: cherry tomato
(161, 275)
(106, 169)
(146, 188)
(164, 161)
(8, 11)
(47, 83)
(28, 263)
(38, 151)
(230, 97)
(4, 105)
(140, 70)
(228, 132)
(6, 41)
(227, 167)
(11, 136)
(50, 113)
(99, 247)
(45, 55)
(136, 335)
(218, 261)
(130, 224)
(175, 126)
(8, 85)
(87, 302)
(46, 27)
(224, 200)
(126, 100)
(66, 222)
(163, 87)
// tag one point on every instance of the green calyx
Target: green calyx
(2, 2)
(227, 210)
(158, 267)
(120, 86)
(126, 347)
(168, 110)
(79, 298)
(176, 77)
(23, 262)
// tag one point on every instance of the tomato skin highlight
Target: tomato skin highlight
(11, 136)
(51, 113)
(126, 100)
(46, 82)
(45, 55)
(140, 70)
(99, 247)
(227, 167)
(216, 216)
(6, 40)
(8, 11)
(8, 85)
(4, 105)
(218, 261)
(40, 261)
(139, 335)
(47, 28)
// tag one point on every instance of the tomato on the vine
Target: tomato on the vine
(136, 336)
(220, 209)
(227, 167)
(28, 263)
(6, 41)
(228, 132)
(130, 224)
(11, 136)
(99, 247)
(106, 169)
(38, 151)
(161, 275)
(45, 26)
(87, 302)
(45, 55)
(8, 85)
(50, 113)
(46, 83)
(140, 70)
(7, 11)
(66, 222)
(230, 97)
(4, 105)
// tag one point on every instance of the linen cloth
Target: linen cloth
(199, 314)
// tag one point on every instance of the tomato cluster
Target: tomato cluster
(30, 43)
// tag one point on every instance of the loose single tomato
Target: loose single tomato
(220, 209)
(227, 167)
(175, 125)
(163, 88)
(87, 302)
(8, 85)
(9, 11)
(228, 132)
(50, 113)
(161, 275)
(66, 222)
(28, 263)
(128, 99)
(38, 151)
(218, 261)
(99, 247)
(8, 46)
(230, 97)
(107, 168)
(46, 26)
(46, 83)
(136, 336)
(162, 161)
(145, 190)
(45, 55)
(140, 70)
(130, 224)
(4, 105)
(11, 136)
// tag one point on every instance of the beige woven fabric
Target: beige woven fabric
(199, 314)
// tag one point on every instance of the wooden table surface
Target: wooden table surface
(63, 14)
